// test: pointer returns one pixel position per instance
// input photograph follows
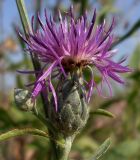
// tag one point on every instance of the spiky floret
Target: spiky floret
(71, 45)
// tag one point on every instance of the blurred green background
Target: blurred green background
(124, 129)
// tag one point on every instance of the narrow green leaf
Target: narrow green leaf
(20, 132)
(102, 149)
(134, 28)
(27, 131)
(103, 112)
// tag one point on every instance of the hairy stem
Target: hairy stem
(62, 152)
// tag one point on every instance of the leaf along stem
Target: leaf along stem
(20, 132)
(135, 27)
(102, 149)
(103, 112)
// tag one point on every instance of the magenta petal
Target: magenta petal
(91, 85)
(40, 82)
(47, 72)
(37, 89)
(116, 77)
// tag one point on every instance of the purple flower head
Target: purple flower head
(71, 45)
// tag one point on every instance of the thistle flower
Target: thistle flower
(71, 46)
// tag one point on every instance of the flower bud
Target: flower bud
(72, 111)
(23, 99)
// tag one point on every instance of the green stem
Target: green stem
(62, 152)
(23, 16)
(44, 120)
(27, 29)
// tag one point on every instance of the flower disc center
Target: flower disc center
(70, 63)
